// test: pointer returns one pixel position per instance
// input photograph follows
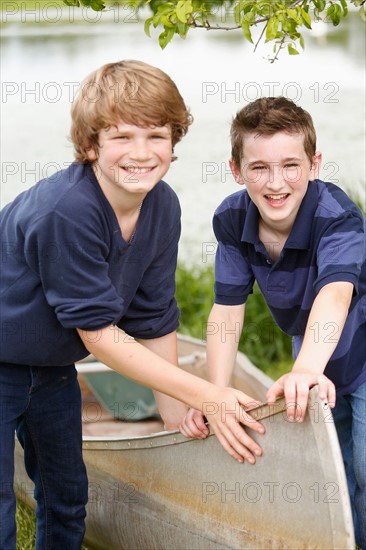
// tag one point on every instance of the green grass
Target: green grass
(26, 534)
(26, 523)
(262, 341)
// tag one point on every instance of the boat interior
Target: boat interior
(107, 394)
(98, 415)
(100, 422)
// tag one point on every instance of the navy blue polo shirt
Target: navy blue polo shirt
(326, 244)
(65, 265)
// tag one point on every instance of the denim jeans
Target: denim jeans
(350, 420)
(43, 405)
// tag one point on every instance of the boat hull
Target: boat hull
(165, 492)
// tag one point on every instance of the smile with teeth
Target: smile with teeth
(137, 169)
(277, 197)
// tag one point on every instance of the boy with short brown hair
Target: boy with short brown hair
(303, 241)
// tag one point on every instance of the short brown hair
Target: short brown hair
(132, 92)
(267, 116)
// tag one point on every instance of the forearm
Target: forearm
(224, 327)
(324, 328)
(171, 410)
(125, 355)
(130, 358)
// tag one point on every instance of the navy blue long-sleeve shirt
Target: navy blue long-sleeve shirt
(65, 265)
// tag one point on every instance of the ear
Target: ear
(315, 166)
(91, 154)
(236, 172)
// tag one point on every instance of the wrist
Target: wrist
(301, 368)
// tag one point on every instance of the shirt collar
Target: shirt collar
(251, 224)
(301, 230)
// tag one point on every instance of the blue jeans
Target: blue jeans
(350, 420)
(43, 405)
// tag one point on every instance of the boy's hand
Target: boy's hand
(225, 411)
(295, 386)
(193, 425)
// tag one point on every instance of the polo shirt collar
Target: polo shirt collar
(251, 224)
(301, 230)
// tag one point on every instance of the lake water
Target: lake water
(44, 59)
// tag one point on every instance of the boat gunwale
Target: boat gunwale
(165, 438)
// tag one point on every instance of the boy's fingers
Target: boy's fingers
(200, 423)
(244, 417)
(275, 391)
(296, 389)
(248, 420)
(187, 431)
(236, 441)
(327, 391)
(301, 402)
(296, 395)
(193, 425)
(290, 398)
(242, 443)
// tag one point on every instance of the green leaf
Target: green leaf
(165, 37)
(166, 20)
(344, 6)
(96, 5)
(72, 3)
(306, 18)
(147, 26)
(292, 50)
(294, 15)
(237, 13)
(272, 28)
(182, 29)
(302, 41)
(320, 4)
(183, 10)
(362, 13)
(246, 23)
(245, 26)
(334, 12)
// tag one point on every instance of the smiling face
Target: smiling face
(131, 160)
(276, 170)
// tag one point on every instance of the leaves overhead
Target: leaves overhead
(280, 22)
